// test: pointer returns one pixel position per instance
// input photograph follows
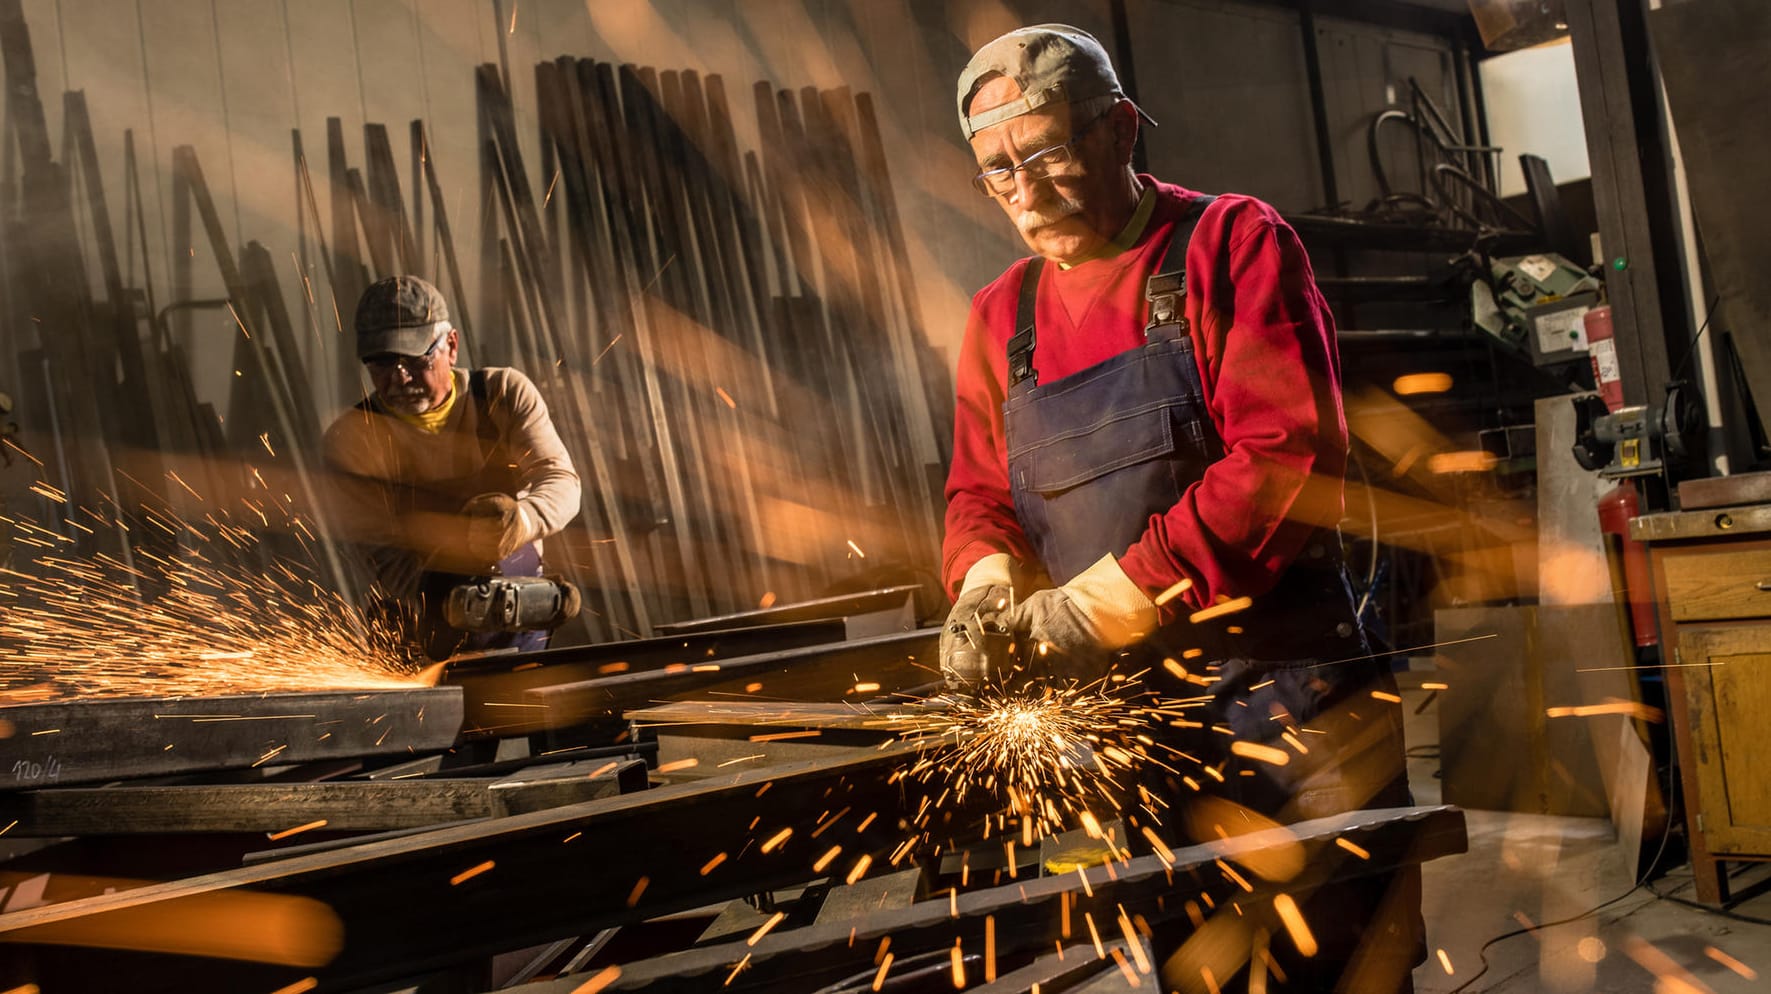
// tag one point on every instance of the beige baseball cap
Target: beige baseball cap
(1052, 64)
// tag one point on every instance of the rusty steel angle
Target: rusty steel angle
(406, 905)
(1026, 914)
(95, 741)
(823, 672)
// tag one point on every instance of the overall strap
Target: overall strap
(1166, 290)
(484, 429)
(1020, 345)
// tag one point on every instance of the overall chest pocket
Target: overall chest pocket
(1114, 441)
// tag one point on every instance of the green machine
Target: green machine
(1536, 305)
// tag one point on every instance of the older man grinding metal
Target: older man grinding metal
(449, 478)
(1149, 410)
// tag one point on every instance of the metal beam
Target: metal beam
(840, 606)
(1032, 914)
(493, 686)
(824, 672)
(341, 805)
(452, 895)
(95, 741)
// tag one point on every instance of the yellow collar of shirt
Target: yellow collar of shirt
(1128, 235)
(432, 420)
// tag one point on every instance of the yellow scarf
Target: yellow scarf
(432, 420)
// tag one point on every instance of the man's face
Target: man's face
(415, 384)
(1074, 210)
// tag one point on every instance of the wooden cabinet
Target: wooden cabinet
(1712, 576)
(1728, 696)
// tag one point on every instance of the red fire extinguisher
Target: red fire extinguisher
(1615, 511)
(1602, 350)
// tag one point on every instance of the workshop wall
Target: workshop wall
(1225, 80)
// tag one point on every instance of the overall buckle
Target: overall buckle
(1167, 294)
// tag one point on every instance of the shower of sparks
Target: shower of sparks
(194, 607)
(1037, 763)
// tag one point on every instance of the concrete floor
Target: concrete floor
(1549, 868)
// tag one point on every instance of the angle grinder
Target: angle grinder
(512, 604)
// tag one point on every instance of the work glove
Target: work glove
(497, 525)
(1071, 632)
(971, 635)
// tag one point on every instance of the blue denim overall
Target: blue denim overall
(1091, 457)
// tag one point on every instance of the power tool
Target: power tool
(512, 604)
(987, 653)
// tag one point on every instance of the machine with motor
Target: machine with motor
(1640, 440)
(512, 604)
(1536, 304)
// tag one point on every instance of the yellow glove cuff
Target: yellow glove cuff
(1119, 610)
(996, 569)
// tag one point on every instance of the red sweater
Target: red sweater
(1264, 341)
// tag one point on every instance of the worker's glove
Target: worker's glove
(497, 525)
(1071, 632)
(969, 640)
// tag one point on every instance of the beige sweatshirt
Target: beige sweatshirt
(392, 483)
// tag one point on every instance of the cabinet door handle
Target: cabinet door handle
(1764, 585)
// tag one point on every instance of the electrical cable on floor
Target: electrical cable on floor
(1641, 883)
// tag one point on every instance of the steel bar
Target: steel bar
(713, 219)
(385, 195)
(603, 511)
(618, 169)
(376, 237)
(136, 399)
(342, 805)
(635, 491)
(869, 329)
(493, 686)
(841, 605)
(675, 308)
(440, 223)
(1027, 914)
(893, 662)
(402, 906)
(887, 720)
(94, 741)
(937, 382)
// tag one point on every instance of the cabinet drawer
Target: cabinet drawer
(1716, 586)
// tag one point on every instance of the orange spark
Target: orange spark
(639, 887)
(1415, 383)
(297, 830)
(1261, 753)
(1219, 610)
(1173, 592)
(1295, 926)
(1731, 963)
(470, 873)
(600, 982)
(775, 840)
(757, 935)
